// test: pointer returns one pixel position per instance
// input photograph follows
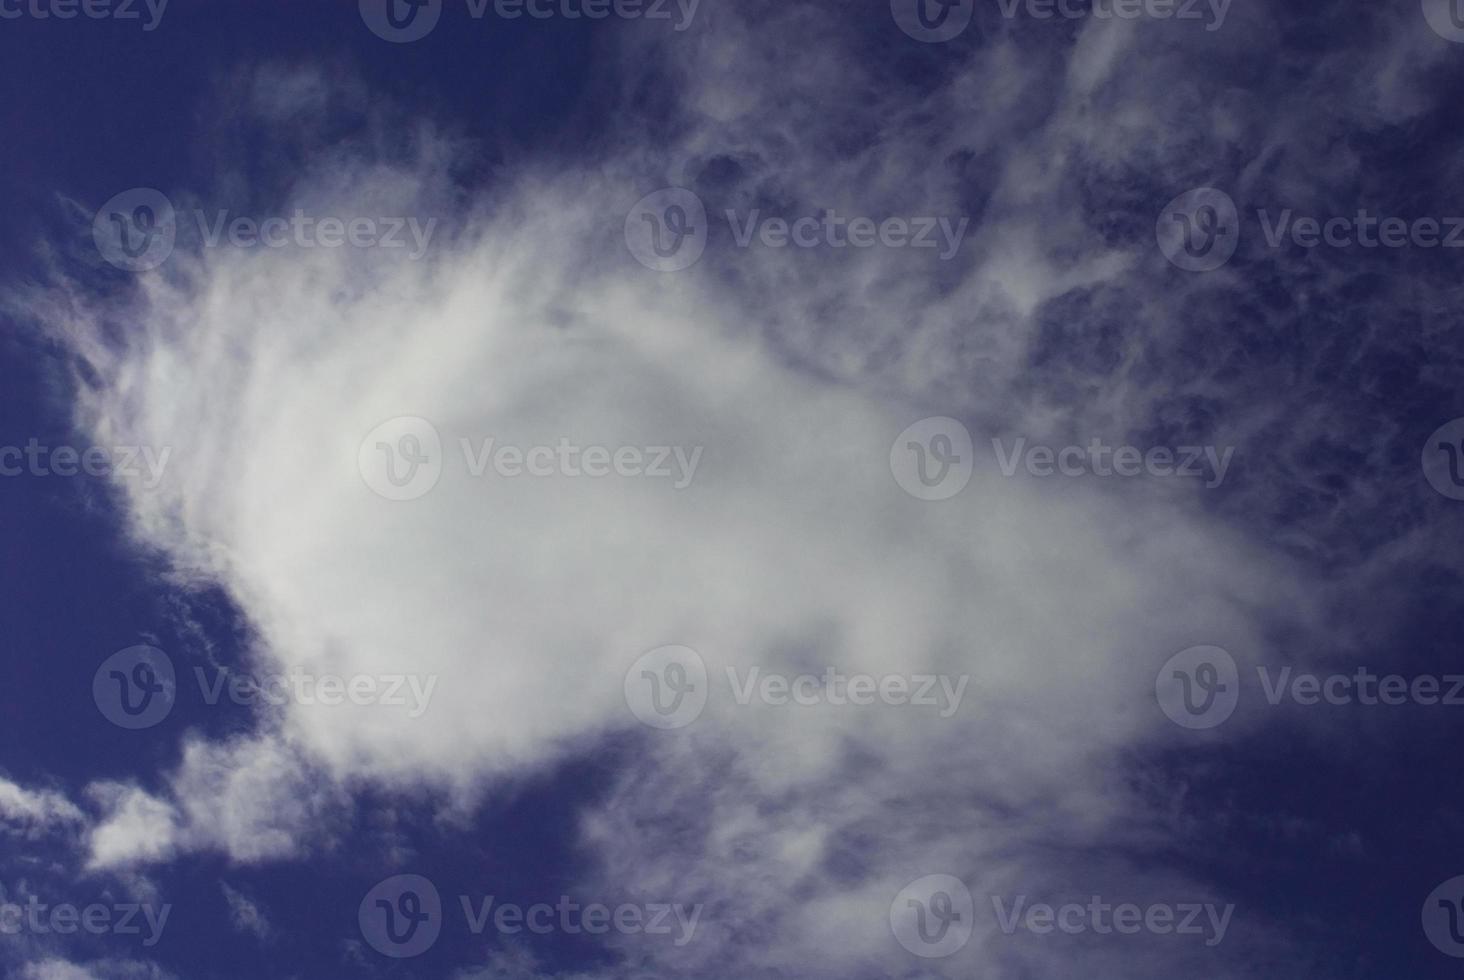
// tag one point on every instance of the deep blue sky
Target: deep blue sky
(95, 107)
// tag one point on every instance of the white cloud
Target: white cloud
(246, 914)
(36, 812)
(793, 549)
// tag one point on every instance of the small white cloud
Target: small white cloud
(36, 812)
(246, 914)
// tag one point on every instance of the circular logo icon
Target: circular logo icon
(1198, 687)
(1443, 460)
(401, 21)
(401, 917)
(1446, 17)
(1443, 917)
(667, 230)
(667, 688)
(402, 458)
(1199, 230)
(135, 688)
(933, 916)
(932, 21)
(135, 231)
(933, 459)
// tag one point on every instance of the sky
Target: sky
(631, 489)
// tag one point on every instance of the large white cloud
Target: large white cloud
(793, 548)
